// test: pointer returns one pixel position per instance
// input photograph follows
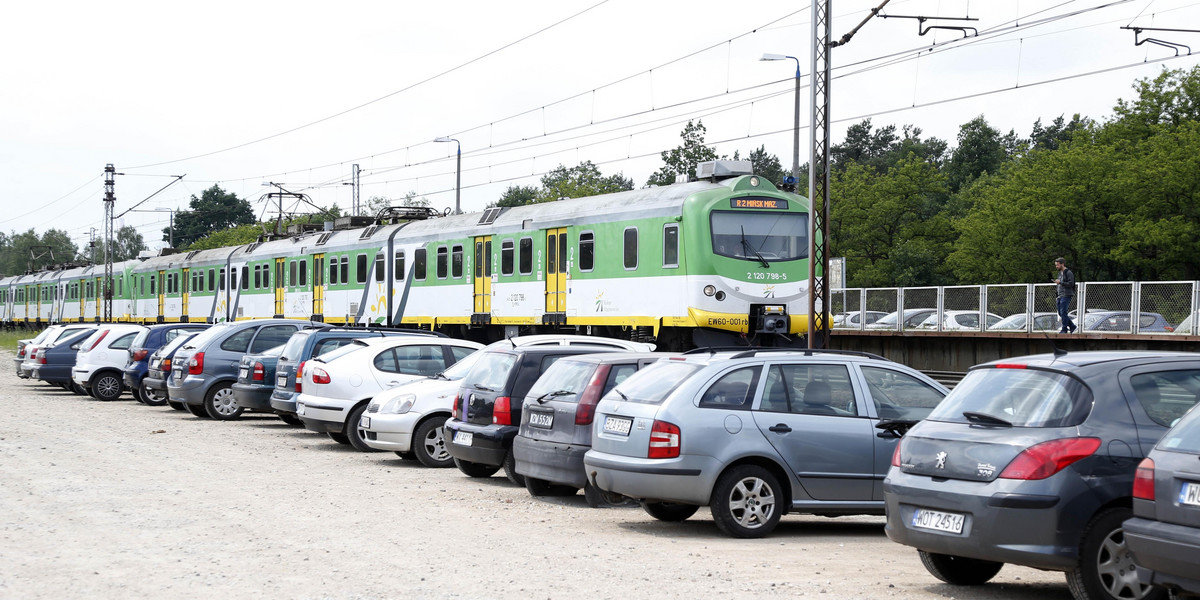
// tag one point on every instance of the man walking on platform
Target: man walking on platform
(1065, 288)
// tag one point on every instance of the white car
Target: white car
(49, 337)
(959, 320)
(100, 365)
(408, 419)
(338, 385)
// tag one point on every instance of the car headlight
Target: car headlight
(399, 405)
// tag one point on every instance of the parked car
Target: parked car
(256, 379)
(101, 359)
(1185, 326)
(556, 420)
(1031, 461)
(158, 371)
(912, 318)
(856, 319)
(204, 369)
(1121, 320)
(50, 335)
(23, 347)
(409, 419)
(310, 343)
(486, 417)
(1164, 533)
(755, 434)
(150, 339)
(338, 386)
(55, 361)
(958, 320)
(1042, 321)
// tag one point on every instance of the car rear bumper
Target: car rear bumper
(489, 443)
(688, 479)
(1165, 553)
(190, 390)
(252, 397)
(283, 402)
(52, 373)
(550, 461)
(391, 432)
(155, 383)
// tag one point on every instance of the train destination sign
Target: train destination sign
(768, 203)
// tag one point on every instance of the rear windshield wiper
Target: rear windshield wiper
(542, 399)
(749, 248)
(483, 388)
(985, 419)
(623, 396)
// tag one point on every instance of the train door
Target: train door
(183, 299)
(98, 301)
(483, 275)
(162, 294)
(556, 270)
(318, 289)
(279, 289)
(38, 299)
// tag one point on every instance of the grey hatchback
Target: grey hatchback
(755, 434)
(1031, 461)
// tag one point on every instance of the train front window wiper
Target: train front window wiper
(750, 248)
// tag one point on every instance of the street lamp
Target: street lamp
(170, 228)
(796, 133)
(457, 173)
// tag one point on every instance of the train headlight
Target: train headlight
(773, 310)
(720, 296)
(710, 290)
(754, 181)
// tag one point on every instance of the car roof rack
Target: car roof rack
(808, 352)
(716, 349)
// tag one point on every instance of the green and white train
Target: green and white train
(716, 261)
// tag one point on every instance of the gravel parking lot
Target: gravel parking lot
(120, 500)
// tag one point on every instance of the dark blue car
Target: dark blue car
(54, 363)
(153, 338)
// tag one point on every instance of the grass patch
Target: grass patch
(8, 339)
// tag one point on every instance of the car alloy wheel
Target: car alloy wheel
(744, 502)
(1105, 569)
(429, 444)
(106, 387)
(153, 397)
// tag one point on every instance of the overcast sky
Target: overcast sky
(244, 93)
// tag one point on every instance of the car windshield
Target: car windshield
(1018, 397)
(759, 236)
(329, 357)
(1016, 321)
(41, 336)
(1185, 435)
(460, 369)
(294, 346)
(175, 343)
(654, 383)
(139, 342)
(208, 335)
(491, 372)
(563, 378)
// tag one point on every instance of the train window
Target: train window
(398, 267)
(443, 255)
(222, 279)
(551, 254)
(379, 266)
(759, 237)
(360, 266)
(245, 278)
(506, 257)
(292, 268)
(587, 250)
(345, 270)
(631, 248)
(487, 259)
(670, 246)
(419, 264)
(333, 262)
(258, 282)
(153, 286)
(303, 272)
(478, 259)
(525, 256)
(211, 277)
(456, 261)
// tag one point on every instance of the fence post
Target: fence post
(983, 308)
(1135, 306)
(940, 306)
(900, 309)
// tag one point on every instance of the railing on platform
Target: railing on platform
(1129, 307)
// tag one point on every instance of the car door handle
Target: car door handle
(780, 428)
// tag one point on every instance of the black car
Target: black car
(487, 410)
(146, 342)
(54, 362)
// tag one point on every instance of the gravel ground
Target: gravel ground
(120, 500)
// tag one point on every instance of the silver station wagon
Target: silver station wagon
(755, 434)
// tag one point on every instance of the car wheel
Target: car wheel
(670, 511)
(221, 403)
(429, 444)
(540, 487)
(138, 395)
(1105, 569)
(959, 570)
(78, 389)
(338, 437)
(176, 405)
(198, 410)
(290, 419)
(745, 502)
(510, 470)
(357, 435)
(474, 469)
(106, 387)
(151, 397)
(598, 498)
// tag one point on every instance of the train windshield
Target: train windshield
(760, 236)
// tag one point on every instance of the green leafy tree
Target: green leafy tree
(517, 195)
(1166, 101)
(580, 181)
(981, 149)
(232, 236)
(127, 243)
(683, 160)
(1051, 136)
(17, 250)
(213, 211)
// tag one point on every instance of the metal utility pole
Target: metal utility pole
(110, 199)
(354, 183)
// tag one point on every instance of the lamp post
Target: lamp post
(796, 133)
(457, 174)
(170, 227)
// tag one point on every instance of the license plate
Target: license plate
(364, 422)
(618, 425)
(537, 419)
(299, 408)
(463, 438)
(924, 518)
(1189, 494)
(281, 381)
(243, 373)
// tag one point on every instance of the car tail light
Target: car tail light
(1143, 480)
(21, 353)
(42, 360)
(502, 411)
(260, 372)
(896, 456)
(140, 354)
(585, 409)
(320, 376)
(300, 376)
(664, 440)
(103, 334)
(1047, 458)
(33, 354)
(1168, 328)
(454, 410)
(196, 364)
(165, 365)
